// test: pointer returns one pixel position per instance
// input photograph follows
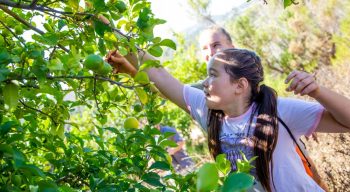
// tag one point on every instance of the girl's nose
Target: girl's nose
(205, 82)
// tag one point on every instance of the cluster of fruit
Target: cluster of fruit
(97, 65)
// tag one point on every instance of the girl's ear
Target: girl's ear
(242, 85)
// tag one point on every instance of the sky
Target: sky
(178, 16)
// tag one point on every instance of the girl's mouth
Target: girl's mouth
(206, 93)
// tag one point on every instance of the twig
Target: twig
(52, 52)
(33, 3)
(38, 111)
(94, 91)
(19, 39)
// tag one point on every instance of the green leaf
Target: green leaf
(6, 127)
(122, 50)
(101, 46)
(47, 186)
(5, 57)
(152, 179)
(169, 43)
(156, 51)
(74, 4)
(11, 95)
(287, 3)
(238, 182)
(66, 188)
(32, 169)
(55, 65)
(99, 5)
(150, 63)
(18, 158)
(223, 164)
(51, 38)
(207, 177)
(4, 72)
(160, 165)
(61, 24)
(6, 149)
(142, 95)
(141, 77)
(100, 28)
(168, 143)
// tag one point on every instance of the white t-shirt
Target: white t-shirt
(301, 117)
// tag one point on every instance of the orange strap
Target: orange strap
(307, 168)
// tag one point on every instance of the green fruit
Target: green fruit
(137, 107)
(120, 5)
(5, 33)
(207, 177)
(10, 22)
(18, 30)
(17, 180)
(105, 69)
(93, 62)
(131, 123)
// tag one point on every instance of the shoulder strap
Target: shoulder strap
(292, 136)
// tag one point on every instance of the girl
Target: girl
(241, 114)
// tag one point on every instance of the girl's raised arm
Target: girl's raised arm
(170, 87)
(336, 117)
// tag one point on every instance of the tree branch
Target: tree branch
(25, 105)
(24, 22)
(120, 84)
(273, 67)
(38, 8)
(33, 4)
(8, 28)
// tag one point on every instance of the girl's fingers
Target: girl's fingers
(299, 76)
(303, 84)
(291, 76)
(309, 89)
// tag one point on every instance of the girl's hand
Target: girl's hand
(302, 83)
(120, 63)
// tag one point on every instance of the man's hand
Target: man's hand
(120, 63)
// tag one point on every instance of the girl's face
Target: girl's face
(219, 89)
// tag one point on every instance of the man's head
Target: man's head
(214, 39)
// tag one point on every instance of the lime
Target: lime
(105, 69)
(130, 123)
(17, 180)
(137, 107)
(18, 30)
(93, 62)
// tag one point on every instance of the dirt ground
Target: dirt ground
(331, 153)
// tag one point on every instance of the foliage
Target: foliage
(62, 121)
(239, 180)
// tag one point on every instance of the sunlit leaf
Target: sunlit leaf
(168, 42)
(11, 95)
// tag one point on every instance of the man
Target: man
(214, 39)
(180, 160)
